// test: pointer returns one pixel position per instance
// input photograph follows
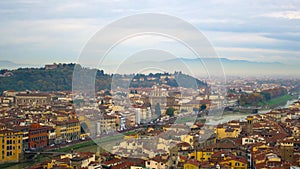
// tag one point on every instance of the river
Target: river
(289, 102)
(241, 116)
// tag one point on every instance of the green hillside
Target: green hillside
(60, 79)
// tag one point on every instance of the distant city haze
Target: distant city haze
(231, 67)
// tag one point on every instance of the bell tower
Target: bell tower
(249, 125)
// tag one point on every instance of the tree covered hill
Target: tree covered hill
(261, 98)
(60, 79)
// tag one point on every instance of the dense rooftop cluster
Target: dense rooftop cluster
(162, 126)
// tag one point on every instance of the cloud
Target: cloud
(260, 28)
(16, 32)
(284, 14)
(285, 36)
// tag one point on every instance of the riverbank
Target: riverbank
(279, 101)
(41, 158)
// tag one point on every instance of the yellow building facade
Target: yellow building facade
(68, 130)
(227, 132)
(11, 146)
(187, 138)
(202, 155)
(107, 124)
(235, 164)
(191, 164)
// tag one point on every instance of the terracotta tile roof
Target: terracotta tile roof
(124, 165)
(219, 153)
(159, 159)
(183, 144)
(112, 162)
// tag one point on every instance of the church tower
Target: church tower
(249, 125)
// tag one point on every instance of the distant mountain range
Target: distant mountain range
(193, 67)
(214, 66)
(4, 64)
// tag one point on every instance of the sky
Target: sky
(40, 32)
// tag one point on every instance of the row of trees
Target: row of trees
(258, 99)
(141, 80)
(171, 111)
(157, 110)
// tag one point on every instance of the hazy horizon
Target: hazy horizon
(240, 68)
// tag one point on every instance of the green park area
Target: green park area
(279, 101)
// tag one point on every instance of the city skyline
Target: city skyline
(148, 84)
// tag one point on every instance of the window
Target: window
(9, 153)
